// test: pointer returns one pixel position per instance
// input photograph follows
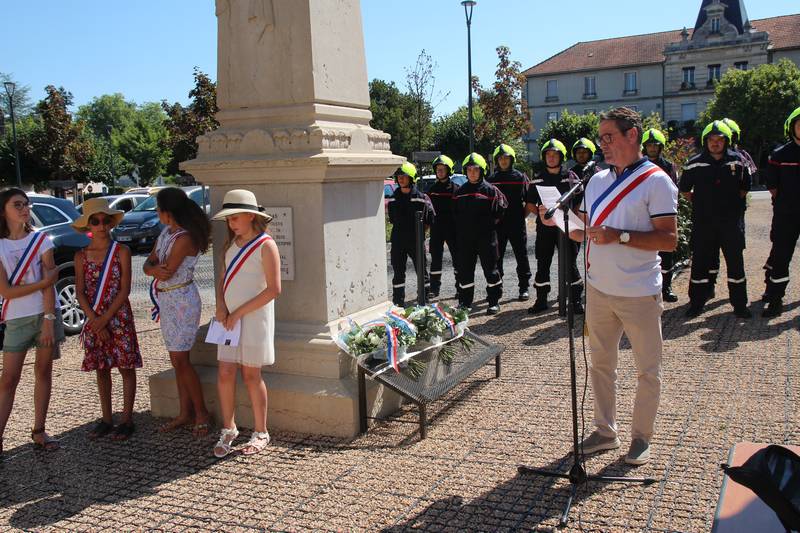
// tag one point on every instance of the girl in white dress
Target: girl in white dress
(246, 290)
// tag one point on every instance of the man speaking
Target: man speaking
(630, 211)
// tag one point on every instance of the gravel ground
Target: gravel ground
(725, 381)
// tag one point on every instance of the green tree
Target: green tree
(107, 110)
(451, 134)
(392, 114)
(569, 128)
(22, 101)
(759, 101)
(143, 143)
(185, 124)
(505, 112)
(421, 85)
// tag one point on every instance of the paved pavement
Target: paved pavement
(725, 380)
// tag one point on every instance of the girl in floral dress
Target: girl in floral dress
(171, 263)
(103, 284)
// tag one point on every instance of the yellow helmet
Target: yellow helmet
(477, 160)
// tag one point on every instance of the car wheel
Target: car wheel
(71, 312)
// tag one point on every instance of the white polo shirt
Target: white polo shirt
(614, 268)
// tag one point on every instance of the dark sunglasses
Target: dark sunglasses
(97, 221)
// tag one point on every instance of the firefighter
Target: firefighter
(554, 154)
(783, 182)
(514, 186)
(443, 229)
(715, 181)
(653, 142)
(404, 204)
(478, 206)
(583, 152)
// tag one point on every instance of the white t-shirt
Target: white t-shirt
(10, 252)
(614, 268)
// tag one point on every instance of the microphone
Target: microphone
(565, 198)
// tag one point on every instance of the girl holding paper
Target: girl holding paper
(176, 300)
(246, 292)
(103, 284)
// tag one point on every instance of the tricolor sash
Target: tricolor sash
(240, 257)
(611, 197)
(22, 267)
(104, 281)
(401, 321)
(155, 311)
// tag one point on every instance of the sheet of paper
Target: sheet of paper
(550, 196)
(217, 334)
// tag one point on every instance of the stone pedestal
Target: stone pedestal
(294, 115)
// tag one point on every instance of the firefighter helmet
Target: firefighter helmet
(788, 127)
(717, 128)
(556, 146)
(407, 169)
(654, 136)
(443, 160)
(477, 160)
(583, 142)
(504, 149)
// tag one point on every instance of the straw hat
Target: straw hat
(240, 201)
(93, 206)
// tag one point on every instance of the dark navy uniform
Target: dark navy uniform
(443, 230)
(547, 237)
(668, 258)
(402, 214)
(717, 209)
(514, 185)
(478, 208)
(584, 172)
(783, 177)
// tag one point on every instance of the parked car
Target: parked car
(53, 216)
(123, 202)
(140, 227)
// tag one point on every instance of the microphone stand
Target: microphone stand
(577, 475)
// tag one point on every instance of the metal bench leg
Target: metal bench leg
(362, 400)
(497, 367)
(423, 421)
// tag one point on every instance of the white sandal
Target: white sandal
(257, 443)
(226, 438)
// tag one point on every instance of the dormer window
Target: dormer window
(714, 24)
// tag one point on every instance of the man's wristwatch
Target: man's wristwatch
(49, 316)
(624, 237)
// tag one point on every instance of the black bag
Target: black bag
(773, 473)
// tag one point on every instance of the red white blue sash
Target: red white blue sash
(392, 342)
(22, 267)
(104, 281)
(401, 321)
(611, 197)
(240, 257)
(155, 311)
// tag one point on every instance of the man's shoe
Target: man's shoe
(742, 312)
(694, 311)
(433, 294)
(774, 308)
(524, 296)
(597, 443)
(765, 297)
(538, 306)
(712, 293)
(668, 296)
(577, 308)
(638, 453)
(493, 309)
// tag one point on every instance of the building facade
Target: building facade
(671, 73)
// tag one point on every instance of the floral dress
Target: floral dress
(122, 350)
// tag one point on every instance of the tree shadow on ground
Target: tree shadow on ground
(523, 502)
(54, 486)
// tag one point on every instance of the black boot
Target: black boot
(541, 302)
(774, 308)
(695, 309)
(668, 295)
(742, 312)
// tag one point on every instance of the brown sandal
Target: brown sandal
(48, 443)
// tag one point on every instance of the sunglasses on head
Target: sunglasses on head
(97, 221)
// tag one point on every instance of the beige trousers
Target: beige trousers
(640, 318)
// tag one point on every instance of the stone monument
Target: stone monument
(294, 129)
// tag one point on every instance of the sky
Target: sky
(146, 49)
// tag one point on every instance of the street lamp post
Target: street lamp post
(10, 88)
(468, 5)
(109, 128)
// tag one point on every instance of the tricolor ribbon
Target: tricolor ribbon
(155, 311)
(402, 322)
(104, 280)
(22, 267)
(240, 257)
(392, 348)
(445, 316)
